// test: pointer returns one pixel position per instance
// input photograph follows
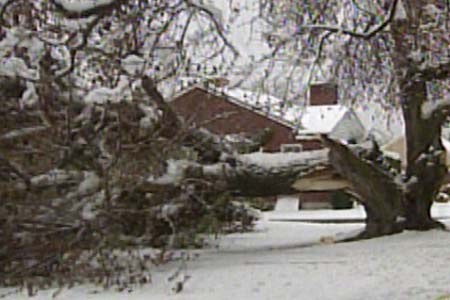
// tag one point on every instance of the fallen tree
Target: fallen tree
(92, 157)
(362, 170)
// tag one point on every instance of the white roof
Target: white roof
(321, 118)
(308, 119)
(266, 104)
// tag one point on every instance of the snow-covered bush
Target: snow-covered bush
(68, 201)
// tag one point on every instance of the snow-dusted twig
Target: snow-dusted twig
(19, 133)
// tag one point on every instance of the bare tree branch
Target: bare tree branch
(217, 25)
(3, 10)
(12, 167)
(210, 146)
(362, 35)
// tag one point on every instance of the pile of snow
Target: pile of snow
(294, 260)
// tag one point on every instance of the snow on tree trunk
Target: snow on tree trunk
(251, 175)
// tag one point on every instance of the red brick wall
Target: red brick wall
(323, 94)
(204, 109)
(315, 197)
(311, 144)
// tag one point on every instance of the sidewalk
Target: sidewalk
(439, 211)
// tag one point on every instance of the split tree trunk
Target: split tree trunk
(374, 182)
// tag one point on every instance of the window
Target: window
(291, 148)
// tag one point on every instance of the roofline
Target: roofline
(236, 101)
(311, 133)
(251, 108)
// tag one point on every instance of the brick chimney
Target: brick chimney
(323, 94)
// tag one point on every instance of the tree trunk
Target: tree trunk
(426, 166)
(252, 175)
(374, 181)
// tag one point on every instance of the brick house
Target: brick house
(224, 113)
(231, 112)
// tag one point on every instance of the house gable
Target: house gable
(221, 116)
(349, 128)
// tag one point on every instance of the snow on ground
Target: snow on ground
(357, 214)
(296, 260)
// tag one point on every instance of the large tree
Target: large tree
(394, 52)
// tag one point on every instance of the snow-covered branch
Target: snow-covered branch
(16, 67)
(85, 8)
(20, 133)
(430, 108)
(436, 71)
(255, 174)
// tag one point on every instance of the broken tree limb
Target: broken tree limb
(252, 175)
(209, 146)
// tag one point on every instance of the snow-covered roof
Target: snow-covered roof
(304, 119)
(312, 119)
(384, 124)
(321, 118)
(270, 106)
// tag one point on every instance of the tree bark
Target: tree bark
(373, 180)
(248, 175)
(426, 167)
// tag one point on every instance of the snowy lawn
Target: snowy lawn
(293, 260)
